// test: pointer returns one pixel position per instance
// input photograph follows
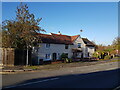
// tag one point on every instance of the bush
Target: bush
(95, 55)
(107, 57)
(64, 56)
(33, 67)
(68, 60)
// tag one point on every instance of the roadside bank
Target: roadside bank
(24, 69)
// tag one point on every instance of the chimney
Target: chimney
(59, 33)
(50, 33)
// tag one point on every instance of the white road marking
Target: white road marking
(117, 88)
(32, 83)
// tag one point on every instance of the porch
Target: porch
(77, 53)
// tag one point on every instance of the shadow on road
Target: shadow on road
(105, 80)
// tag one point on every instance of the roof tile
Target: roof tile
(57, 38)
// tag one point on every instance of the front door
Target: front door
(54, 56)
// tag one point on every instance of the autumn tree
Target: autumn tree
(116, 44)
(21, 32)
(116, 41)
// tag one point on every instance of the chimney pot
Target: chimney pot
(59, 32)
(50, 33)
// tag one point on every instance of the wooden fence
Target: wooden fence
(6, 56)
(11, 56)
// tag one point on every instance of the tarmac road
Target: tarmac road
(104, 76)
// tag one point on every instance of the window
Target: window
(79, 45)
(66, 46)
(47, 56)
(47, 45)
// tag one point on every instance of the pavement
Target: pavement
(105, 71)
(24, 69)
(8, 71)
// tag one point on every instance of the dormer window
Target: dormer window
(79, 45)
(47, 45)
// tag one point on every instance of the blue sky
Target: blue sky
(98, 20)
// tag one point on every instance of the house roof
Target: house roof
(62, 39)
(87, 42)
(57, 38)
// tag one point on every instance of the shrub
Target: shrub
(68, 60)
(95, 55)
(107, 57)
(33, 67)
(64, 56)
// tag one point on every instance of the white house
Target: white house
(53, 45)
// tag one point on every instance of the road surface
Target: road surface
(106, 79)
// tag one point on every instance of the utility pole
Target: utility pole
(27, 57)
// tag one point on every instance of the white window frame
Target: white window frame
(48, 56)
(78, 45)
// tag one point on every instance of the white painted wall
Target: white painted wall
(91, 50)
(85, 49)
(60, 48)
(83, 46)
(54, 48)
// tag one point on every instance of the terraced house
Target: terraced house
(54, 45)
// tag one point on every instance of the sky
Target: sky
(98, 20)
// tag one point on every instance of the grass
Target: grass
(116, 57)
(62, 65)
(115, 60)
(32, 67)
(59, 65)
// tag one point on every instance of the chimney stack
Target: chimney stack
(50, 33)
(59, 32)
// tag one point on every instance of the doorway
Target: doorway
(54, 56)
